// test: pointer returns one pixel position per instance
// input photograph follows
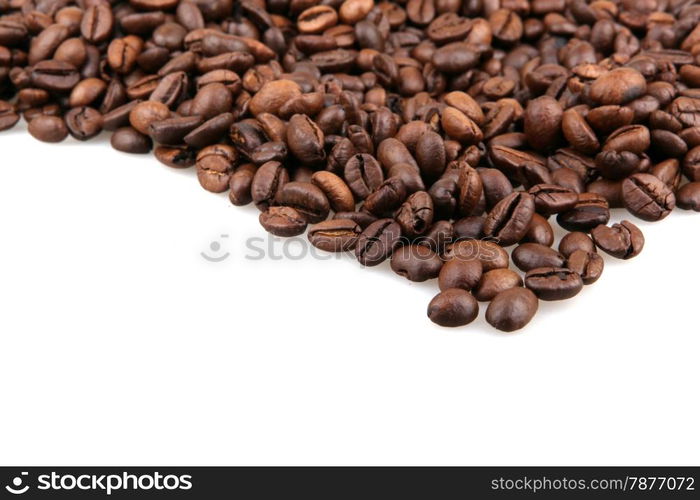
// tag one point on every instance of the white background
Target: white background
(120, 344)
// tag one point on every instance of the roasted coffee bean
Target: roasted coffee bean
(540, 231)
(210, 131)
(576, 241)
(119, 116)
(335, 235)
(618, 86)
(512, 309)
(363, 175)
(211, 100)
(173, 130)
(542, 124)
(305, 139)
(129, 140)
(48, 128)
(240, 184)
(470, 190)
(214, 167)
(490, 254)
(647, 197)
(416, 262)
(83, 123)
(55, 76)
(528, 256)
(453, 307)
(469, 227)
(579, 133)
(590, 211)
(437, 237)
(458, 273)
(460, 127)
(283, 221)
(510, 218)
(306, 198)
(622, 241)
(336, 190)
(688, 197)
(495, 184)
(416, 214)
(551, 199)
(176, 156)
(616, 165)
(97, 23)
(387, 197)
(8, 117)
(431, 155)
(588, 265)
(145, 113)
(494, 282)
(632, 138)
(377, 242)
(553, 283)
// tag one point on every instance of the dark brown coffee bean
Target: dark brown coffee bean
(283, 221)
(211, 100)
(578, 133)
(416, 215)
(588, 265)
(83, 123)
(86, 92)
(55, 76)
(97, 23)
(305, 139)
(576, 241)
(622, 241)
(430, 155)
(48, 128)
(550, 199)
(469, 227)
(688, 196)
(540, 231)
(512, 309)
(145, 113)
(470, 190)
(542, 124)
(490, 254)
(458, 273)
(306, 198)
(336, 190)
(632, 138)
(648, 198)
(494, 282)
(317, 19)
(452, 308)
(553, 283)
(377, 242)
(129, 140)
(335, 235)
(363, 175)
(510, 218)
(691, 164)
(416, 263)
(118, 117)
(215, 165)
(618, 86)
(173, 130)
(240, 184)
(590, 211)
(528, 256)
(460, 127)
(8, 116)
(686, 110)
(387, 197)
(176, 156)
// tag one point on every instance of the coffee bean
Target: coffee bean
(553, 283)
(416, 262)
(469, 227)
(283, 221)
(83, 123)
(431, 155)
(543, 121)
(646, 197)
(119, 116)
(335, 235)
(618, 86)
(173, 130)
(579, 133)
(210, 131)
(490, 254)
(551, 199)
(470, 190)
(415, 216)
(129, 140)
(176, 156)
(387, 197)
(540, 231)
(510, 218)
(306, 198)
(317, 19)
(494, 282)
(588, 265)
(576, 241)
(97, 23)
(240, 184)
(452, 308)
(8, 117)
(145, 113)
(305, 139)
(377, 242)
(528, 256)
(622, 241)
(55, 76)
(211, 100)
(512, 309)
(457, 273)
(590, 211)
(214, 167)
(336, 190)
(460, 127)
(691, 164)
(632, 138)
(48, 128)
(363, 175)
(688, 196)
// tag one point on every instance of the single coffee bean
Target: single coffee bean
(579, 133)
(83, 123)
(215, 165)
(688, 196)
(363, 174)
(470, 190)
(176, 156)
(269, 151)
(512, 309)
(283, 221)
(460, 127)
(377, 242)
(528, 256)
(551, 199)
(452, 308)
(540, 231)
(553, 283)
(8, 116)
(305, 139)
(618, 86)
(147, 112)
(388, 196)
(306, 198)
(268, 181)
(210, 131)
(437, 237)
(48, 128)
(457, 273)
(119, 116)
(172, 130)
(632, 138)
(336, 190)
(622, 241)
(490, 254)
(55, 76)
(335, 235)
(590, 211)
(576, 241)
(97, 23)
(510, 218)
(542, 124)
(130, 140)
(211, 100)
(588, 265)
(416, 263)
(416, 214)
(469, 227)
(494, 282)
(647, 197)
(495, 184)
(240, 183)
(431, 155)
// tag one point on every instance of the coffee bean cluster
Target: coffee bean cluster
(434, 133)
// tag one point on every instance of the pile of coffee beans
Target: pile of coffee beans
(431, 133)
